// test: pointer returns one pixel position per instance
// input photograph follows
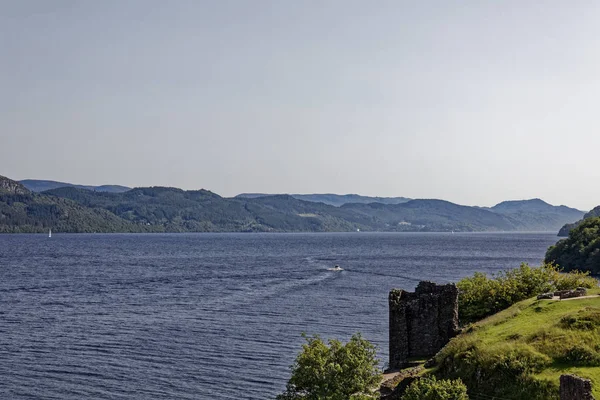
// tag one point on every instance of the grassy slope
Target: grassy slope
(530, 324)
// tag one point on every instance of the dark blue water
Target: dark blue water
(207, 316)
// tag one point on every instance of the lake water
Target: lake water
(208, 316)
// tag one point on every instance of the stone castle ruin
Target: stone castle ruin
(421, 323)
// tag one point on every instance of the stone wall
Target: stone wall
(421, 323)
(573, 387)
(569, 294)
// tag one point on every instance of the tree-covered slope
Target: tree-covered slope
(401, 214)
(536, 214)
(24, 211)
(431, 215)
(167, 209)
(581, 250)
(177, 210)
(564, 231)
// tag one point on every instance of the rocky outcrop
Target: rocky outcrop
(421, 323)
(573, 387)
(11, 187)
(394, 388)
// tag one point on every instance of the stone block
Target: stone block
(573, 387)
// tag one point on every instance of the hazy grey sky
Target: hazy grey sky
(470, 101)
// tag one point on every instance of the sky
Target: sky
(474, 102)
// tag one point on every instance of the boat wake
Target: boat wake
(409, 278)
(256, 292)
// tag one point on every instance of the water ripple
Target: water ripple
(197, 316)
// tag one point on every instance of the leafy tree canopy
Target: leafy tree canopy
(581, 250)
(334, 371)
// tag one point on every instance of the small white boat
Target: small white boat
(50, 233)
(336, 268)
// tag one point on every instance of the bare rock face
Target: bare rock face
(421, 323)
(11, 187)
(573, 387)
(394, 388)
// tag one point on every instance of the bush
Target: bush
(334, 372)
(433, 389)
(585, 320)
(504, 370)
(581, 355)
(481, 296)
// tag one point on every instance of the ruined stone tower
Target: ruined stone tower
(421, 323)
(573, 387)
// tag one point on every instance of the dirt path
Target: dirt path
(578, 298)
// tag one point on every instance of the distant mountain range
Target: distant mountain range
(36, 185)
(334, 199)
(73, 208)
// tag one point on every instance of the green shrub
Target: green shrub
(481, 296)
(574, 279)
(334, 371)
(581, 355)
(588, 319)
(433, 389)
(504, 370)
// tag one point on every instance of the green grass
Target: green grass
(521, 352)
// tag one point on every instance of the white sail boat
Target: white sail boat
(50, 233)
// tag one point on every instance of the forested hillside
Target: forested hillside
(536, 214)
(164, 209)
(176, 210)
(581, 250)
(24, 211)
(564, 231)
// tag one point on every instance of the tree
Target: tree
(334, 371)
(581, 250)
(432, 389)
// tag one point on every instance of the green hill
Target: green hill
(24, 211)
(520, 352)
(430, 215)
(564, 231)
(581, 250)
(536, 214)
